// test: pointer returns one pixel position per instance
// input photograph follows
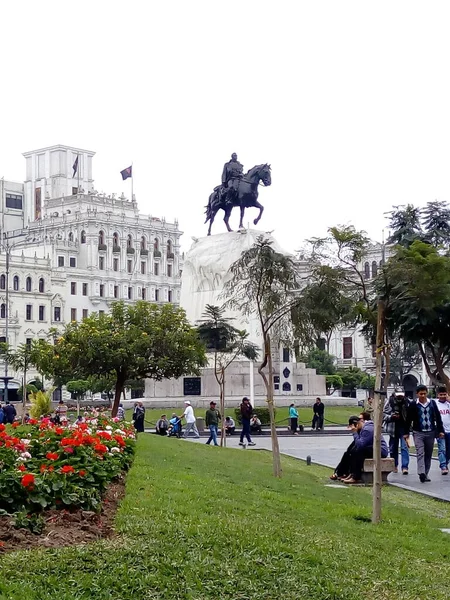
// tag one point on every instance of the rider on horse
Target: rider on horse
(231, 175)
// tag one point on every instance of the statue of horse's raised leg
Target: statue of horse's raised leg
(261, 209)
(226, 218)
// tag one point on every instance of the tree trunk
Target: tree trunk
(268, 382)
(377, 414)
(223, 439)
(120, 383)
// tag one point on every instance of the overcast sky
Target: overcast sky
(348, 101)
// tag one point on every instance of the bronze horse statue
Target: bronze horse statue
(243, 194)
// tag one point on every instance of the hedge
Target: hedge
(261, 412)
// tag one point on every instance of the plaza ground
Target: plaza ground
(203, 523)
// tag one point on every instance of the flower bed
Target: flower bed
(46, 466)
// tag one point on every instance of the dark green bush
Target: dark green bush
(261, 412)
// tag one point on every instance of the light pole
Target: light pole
(8, 247)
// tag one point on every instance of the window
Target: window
(28, 284)
(130, 293)
(102, 290)
(143, 243)
(144, 294)
(156, 295)
(116, 291)
(73, 288)
(156, 245)
(115, 264)
(70, 237)
(85, 289)
(29, 341)
(3, 311)
(14, 201)
(101, 263)
(16, 283)
(169, 249)
(286, 355)
(85, 313)
(41, 313)
(143, 268)
(169, 296)
(169, 270)
(83, 237)
(101, 238)
(156, 268)
(73, 314)
(2, 282)
(115, 239)
(28, 312)
(129, 241)
(129, 266)
(60, 261)
(367, 271)
(57, 313)
(72, 261)
(374, 269)
(347, 347)
(41, 285)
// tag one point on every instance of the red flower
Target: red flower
(81, 473)
(32, 421)
(43, 468)
(28, 481)
(22, 468)
(52, 455)
(100, 448)
(2, 427)
(68, 449)
(67, 469)
(51, 468)
(104, 434)
(119, 439)
(15, 424)
(59, 430)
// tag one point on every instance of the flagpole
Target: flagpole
(78, 172)
(132, 177)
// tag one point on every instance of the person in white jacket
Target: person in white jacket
(190, 421)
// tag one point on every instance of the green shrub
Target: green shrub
(41, 403)
(261, 412)
(31, 389)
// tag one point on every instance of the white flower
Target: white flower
(25, 455)
(115, 449)
(108, 427)
(119, 432)
(25, 441)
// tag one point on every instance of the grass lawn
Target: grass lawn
(201, 523)
(334, 415)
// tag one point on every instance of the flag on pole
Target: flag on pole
(128, 172)
(75, 166)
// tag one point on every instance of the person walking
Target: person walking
(190, 421)
(443, 405)
(246, 415)
(394, 420)
(139, 417)
(425, 419)
(212, 418)
(318, 410)
(293, 418)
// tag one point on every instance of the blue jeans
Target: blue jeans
(393, 450)
(245, 430)
(212, 435)
(444, 451)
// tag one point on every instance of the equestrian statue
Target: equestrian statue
(237, 189)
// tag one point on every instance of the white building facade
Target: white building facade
(80, 251)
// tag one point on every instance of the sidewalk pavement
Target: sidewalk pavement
(328, 450)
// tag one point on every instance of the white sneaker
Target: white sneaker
(241, 444)
(251, 444)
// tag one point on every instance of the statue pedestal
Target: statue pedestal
(205, 273)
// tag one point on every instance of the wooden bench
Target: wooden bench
(387, 466)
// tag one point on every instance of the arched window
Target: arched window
(169, 249)
(28, 284)
(2, 282)
(374, 268)
(156, 244)
(101, 238)
(115, 239)
(143, 243)
(129, 241)
(3, 311)
(70, 237)
(83, 237)
(16, 283)
(367, 271)
(41, 285)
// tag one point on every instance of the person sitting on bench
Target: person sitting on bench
(255, 425)
(342, 471)
(363, 448)
(229, 426)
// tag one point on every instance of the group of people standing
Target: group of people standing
(317, 421)
(428, 420)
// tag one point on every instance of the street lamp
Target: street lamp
(8, 248)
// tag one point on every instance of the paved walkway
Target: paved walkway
(328, 450)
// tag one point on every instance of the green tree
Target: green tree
(320, 360)
(266, 283)
(404, 357)
(334, 382)
(131, 342)
(21, 359)
(226, 343)
(405, 224)
(78, 388)
(436, 222)
(352, 378)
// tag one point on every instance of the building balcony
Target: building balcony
(95, 299)
(130, 250)
(369, 362)
(102, 247)
(116, 249)
(156, 253)
(144, 252)
(170, 255)
(346, 362)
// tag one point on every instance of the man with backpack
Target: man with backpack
(394, 420)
